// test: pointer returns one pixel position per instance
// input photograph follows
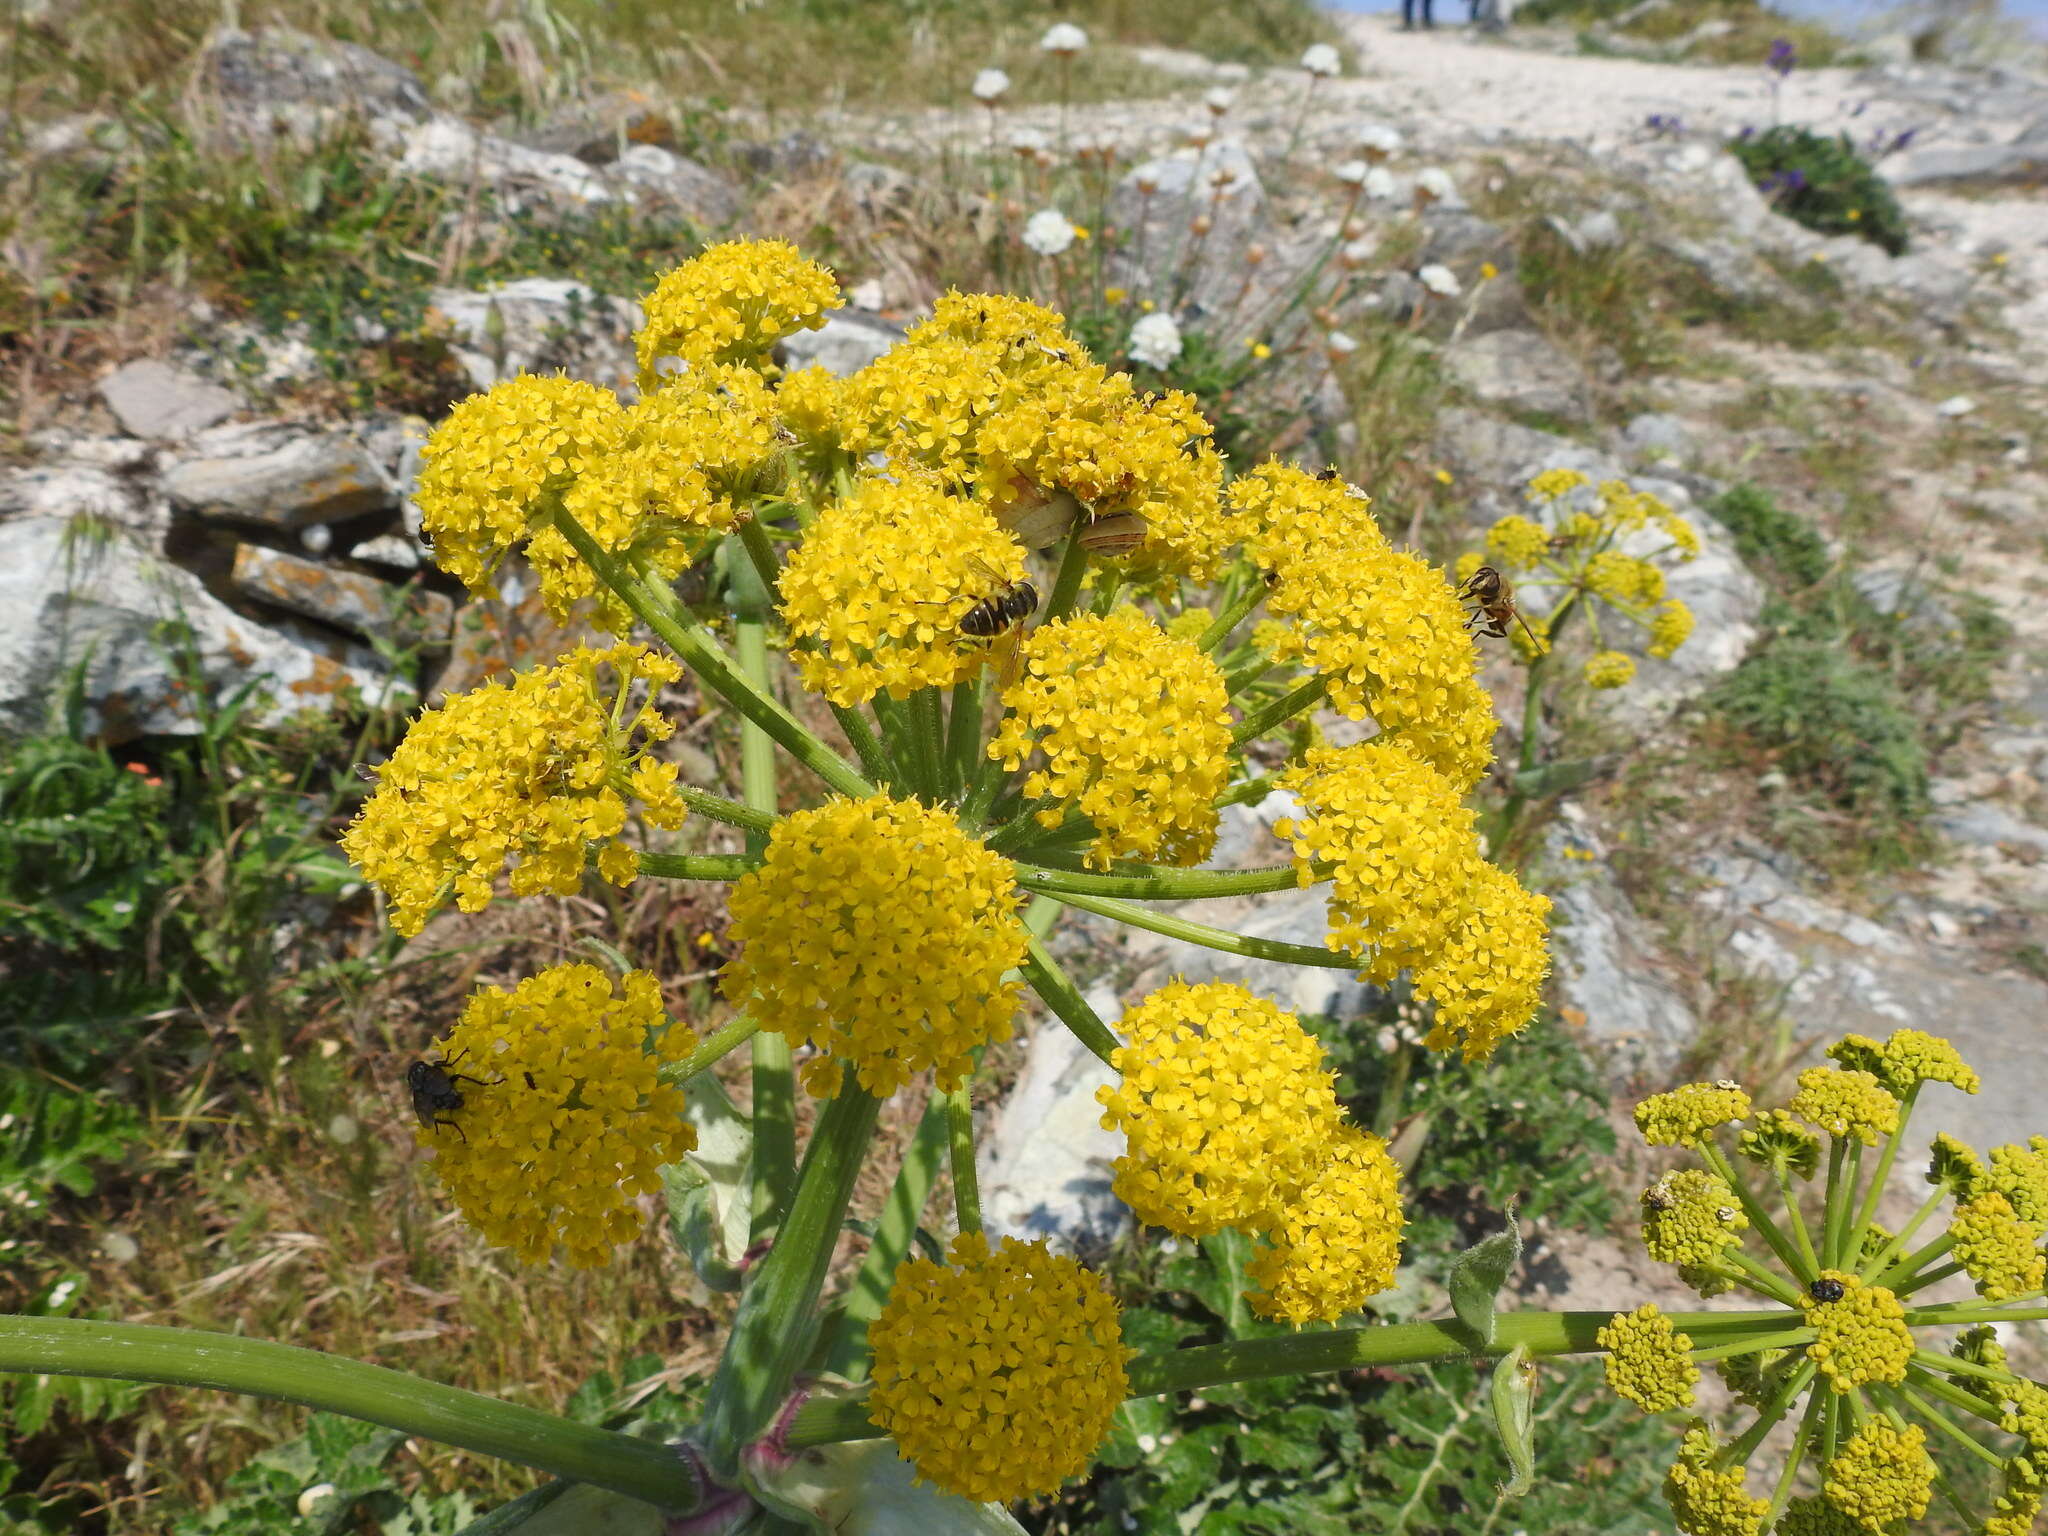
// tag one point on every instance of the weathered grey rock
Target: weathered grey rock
(271, 77)
(1990, 825)
(345, 599)
(152, 398)
(451, 150)
(283, 477)
(1219, 183)
(1045, 1166)
(2024, 159)
(665, 177)
(390, 549)
(1653, 438)
(845, 343)
(1519, 371)
(89, 493)
(1904, 596)
(541, 325)
(67, 598)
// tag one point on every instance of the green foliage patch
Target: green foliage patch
(1823, 182)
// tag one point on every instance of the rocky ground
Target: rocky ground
(287, 541)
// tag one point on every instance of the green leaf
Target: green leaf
(1479, 1273)
(1547, 779)
(1514, 1407)
(579, 1510)
(710, 1192)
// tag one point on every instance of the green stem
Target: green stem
(1782, 1492)
(1798, 1220)
(963, 734)
(1210, 938)
(1949, 1426)
(1905, 1269)
(1291, 703)
(1235, 614)
(772, 1331)
(1868, 1211)
(1963, 1314)
(1943, 1365)
(1057, 991)
(1920, 1282)
(713, 1048)
(1956, 1397)
(1155, 884)
(697, 866)
(1792, 1338)
(928, 722)
(761, 553)
(1886, 1255)
(1759, 1218)
(1248, 791)
(847, 1353)
(960, 1135)
(718, 808)
(1066, 581)
(774, 1109)
(860, 735)
(1761, 1279)
(1832, 1202)
(413, 1405)
(1772, 1411)
(658, 610)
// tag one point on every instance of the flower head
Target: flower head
(1689, 1217)
(1515, 542)
(732, 303)
(1434, 183)
(1134, 728)
(1063, 39)
(1155, 340)
(565, 1123)
(1226, 1109)
(1320, 60)
(1486, 977)
(1997, 1250)
(1439, 280)
(1954, 1165)
(1378, 141)
(990, 85)
(1906, 1058)
(2021, 1175)
(1649, 1362)
(1846, 1104)
(1048, 232)
(1688, 1116)
(1670, 627)
(1706, 1499)
(1881, 1475)
(877, 931)
(1609, 669)
(997, 1374)
(878, 587)
(1776, 1140)
(1863, 1335)
(1337, 1242)
(529, 776)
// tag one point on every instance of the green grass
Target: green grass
(1750, 30)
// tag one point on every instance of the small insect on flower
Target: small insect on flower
(1010, 604)
(434, 1093)
(1825, 1290)
(1493, 606)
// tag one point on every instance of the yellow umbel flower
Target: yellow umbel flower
(1610, 669)
(2021, 1175)
(1814, 1516)
(876, 591)
(1553, 483)
(812, 405)
(997, 1374)
(568, 1125)
(1707, 1500)
(1486, 977)
(1399, 840)
(1777, 1140)
(1846, 1104)
(1671, 627)
(1649, 1362)
(1514, 543)
(1623, 579)
(877, 931)
(688, 460)
(1863, 1335)
(533, 775)
(1134, 726)
(922, 403)
(1881, 1475)
(1226, 1108)
(1996, 1249)
(1688, 1116)
(1019, 333)
(1689, 1217)
(2018, 1504)
(1458, 743)
(1954, 1165)
(1335, 1243)
(731, 304)
(1908, 1057)
(1287, 516)
(2028, 1416)
(1093, 434)
(489, 472)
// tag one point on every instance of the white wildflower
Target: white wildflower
(1440, 280)
(1027, 141)
(1378, 140)
(1048, 232)
(1435, 183)
(1379, 183)
(1354, 254)
(1352, 173)
(1321, 59)
(1340, 344)
(1155, 341)
(1064, 39)
(1956, 405)
(991, 85)
(1219, 99)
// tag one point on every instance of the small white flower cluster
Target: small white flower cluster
(1439, 280)
(1155, 341)
(1063, 40)
(1049, 232)
(991, 85)
(1321, 61)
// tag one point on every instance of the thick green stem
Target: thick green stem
(1772, 1411)
(1888, 1255)
(697, 866)
(1833, 1201)
(1759, 1218)
(185, 1357)
(1304, 696)
(1235, 614)
(1058, 992)
(1868, 1210)
(772, 1331)
(1159, 884)
(713, 1048)
(966, 1181)
(847, 1354)
(1066, 581)
(718, 808)
(928, 722)
(1798, 1220)
(658, 610)
(1210, 938)
(1949, 1427)
(963, 734)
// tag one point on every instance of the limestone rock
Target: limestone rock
(66, 599)
(69, 488)
(274, 77)
(541, 325)
(451, 150)
(668, 178)
(152, 398)
(1157, 202)
(281, 476)
(345, 599)
(1519, 371)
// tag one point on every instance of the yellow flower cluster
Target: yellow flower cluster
(1226, 1108)
(1338, 1241)
(1610, 669)
(731, 304)
(490, 472)
(1624, 580)
(1688, 1116)
(1882, 1475)
(1996, 1249)
(1689, 1217)
(1814, 1516)
(878, 931)
(533, 775)
(1515, 542)
(1776, 1140)
(2021, 1175)
(1486, 978)
(1846, 1104)
(1863, 1336)
(1670, 627)
(1906, 1058)
(2018, 1504)
(997, 1374)
(1706, 1499)
(568, 1124)
(1399, 842)
(875, 594)
(1551, 484)
(1954, 1165)
(1649, 1362)
(1134, 726)
(1385, 628)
